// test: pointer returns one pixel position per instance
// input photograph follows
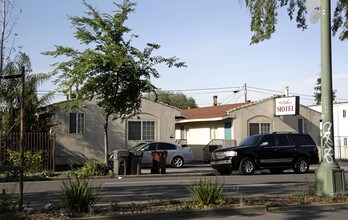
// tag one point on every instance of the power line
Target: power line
(204, 89)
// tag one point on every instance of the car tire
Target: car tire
(224, 171)
(247, 166)
(177, 162)
(301, 165)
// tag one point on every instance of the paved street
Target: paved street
(150, 187)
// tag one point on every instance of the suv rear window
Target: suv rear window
(302, 139)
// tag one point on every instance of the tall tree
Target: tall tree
(110, 70)
(36, 120)
(317, 92)
(8, 21)
(264, 17)
(178, 100)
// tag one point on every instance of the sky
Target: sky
(211, 36)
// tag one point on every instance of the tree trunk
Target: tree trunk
(106, 141)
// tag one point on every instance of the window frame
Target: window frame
(147, 130)
(302, 125)
(77, 123)
(260, 128)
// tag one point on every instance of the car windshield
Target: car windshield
(251, 140)
(138, 146)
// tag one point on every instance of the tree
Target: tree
(264, 17)
(178, 100)
(8, 20)
(35, 119)
(317, 92)
(110, 69)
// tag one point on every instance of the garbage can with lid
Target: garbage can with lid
(159, 158)
(135, 158)
(121, 162)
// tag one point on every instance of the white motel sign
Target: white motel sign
(287, 106)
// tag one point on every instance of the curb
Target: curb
(320, 207)
(185, 214)
(218, 212)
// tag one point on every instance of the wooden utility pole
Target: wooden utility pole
(245, 93)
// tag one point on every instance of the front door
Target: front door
(228, 133)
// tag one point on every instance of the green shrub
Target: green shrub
(8, 205)
(205, 192)
(92, 168)
(79, 194)
(33, 162)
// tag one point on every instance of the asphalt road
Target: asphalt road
(172, 185)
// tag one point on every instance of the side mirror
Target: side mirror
(264, 144)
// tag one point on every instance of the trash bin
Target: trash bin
(121, 162)
(159, 158)
(135, 158)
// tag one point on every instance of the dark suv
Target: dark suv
(276, 152)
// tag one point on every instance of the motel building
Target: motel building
(207, 128)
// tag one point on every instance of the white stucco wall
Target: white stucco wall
(77, 148)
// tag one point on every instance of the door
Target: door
(286, 149)
(147, 156)
(228, 131)
(268, 151)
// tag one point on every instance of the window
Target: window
(282, 140)
(148, 130)
(183, 132)
(141, 130)
(213, 131)
(270, 140)
(344, 113)
(77, 123)
(166, 146)
(345, 142)
(259, 128)
(302, 140)
(302, 126)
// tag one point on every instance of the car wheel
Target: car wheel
(301, 166)
(177, 162)
(247, 166)
(225, 171)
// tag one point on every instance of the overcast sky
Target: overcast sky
(211, 36)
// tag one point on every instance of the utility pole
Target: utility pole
(245, 93)
(22, 139)
(21, 132)
(330, 179)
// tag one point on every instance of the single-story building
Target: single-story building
(340, 122)
(204, 129)
(80, 133)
